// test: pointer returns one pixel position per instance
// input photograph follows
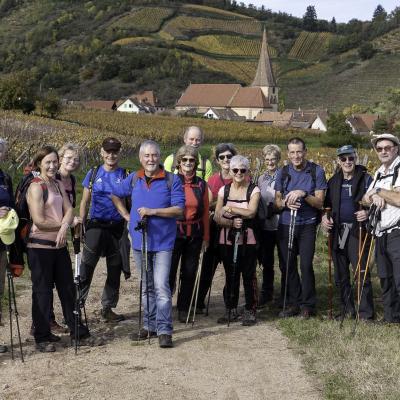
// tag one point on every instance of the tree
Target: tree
(379, 14)
(50, 104)
(380, 126)
(366, 51)
(16, 92)
(310, 22)
(333, 25)
(339, 132)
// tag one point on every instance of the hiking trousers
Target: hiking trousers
(188, 251)
(342, 258)
(101, 242)
(300, 291)
(267, 259)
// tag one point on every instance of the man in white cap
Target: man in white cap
(384, 195)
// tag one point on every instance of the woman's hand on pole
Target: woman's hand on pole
(237, 223)
(62, 235)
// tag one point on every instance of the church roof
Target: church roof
(208, 94)
(249, 97)
(264, 74)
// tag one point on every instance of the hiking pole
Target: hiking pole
(142, 226)
(215, 265)
(371, 212)
(359, 255)
(234, 265)
(12, 308)
(195, 290)
(330, 288)
(293, 215)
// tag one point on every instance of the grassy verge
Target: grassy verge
(361, 366)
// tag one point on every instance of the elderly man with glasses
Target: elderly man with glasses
(346, 221)
(384, 195)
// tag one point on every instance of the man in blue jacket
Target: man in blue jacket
(158, 197)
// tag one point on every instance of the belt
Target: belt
(42, 241)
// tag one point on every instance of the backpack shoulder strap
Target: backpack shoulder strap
(93, 175)
(169, 177)
(250, 189)
(285, 177)
(203, 166)
(395, 174)
(313, 171)
(227, 189)
(43, 185)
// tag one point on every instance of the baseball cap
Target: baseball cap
(111, 144)
(8, 225)
(347, 149)
(385, 136)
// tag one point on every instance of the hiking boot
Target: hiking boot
(54, 338)
(55, 327)
(291, 311)
(249, 318)
(165, 341)
(143, 334)
(263, 300)
(182, 316)
(45, 347)
(3, 348)
(233, 317)
(110, 316)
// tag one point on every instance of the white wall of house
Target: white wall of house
(128, 106)
(318, 124)
(210, 114)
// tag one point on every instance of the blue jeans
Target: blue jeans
(158, 318)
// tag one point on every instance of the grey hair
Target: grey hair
(189, 128)
(69, 146)
(151, 143)
(4, 143)
(238, 160)
(272, 149)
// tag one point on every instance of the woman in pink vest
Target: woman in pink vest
(48, 256)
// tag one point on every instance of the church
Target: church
(246, 102)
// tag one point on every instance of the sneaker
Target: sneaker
(289, 312)
(249, 318)
(165, 341)
(143, 334)
(45, 347)
(110, 316)
(55, 327)
(3, 348)
(233, 317)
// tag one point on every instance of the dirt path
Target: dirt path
(208, 361)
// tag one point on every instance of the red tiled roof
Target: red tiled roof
(252, 97)
(99, 104)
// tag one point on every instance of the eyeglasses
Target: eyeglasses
(225, 156)
(189, 160)
(344, 159)
(385, 149)
(270, 160)
(236, 170)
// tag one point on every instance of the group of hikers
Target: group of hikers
(183, 221)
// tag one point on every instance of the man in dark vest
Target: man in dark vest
(345, 191)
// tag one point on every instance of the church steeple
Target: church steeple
(264, 76)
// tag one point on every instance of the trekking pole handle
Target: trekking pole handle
(328, 212)
(76, 241)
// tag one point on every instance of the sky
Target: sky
(342, 10)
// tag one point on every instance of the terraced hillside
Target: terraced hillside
(111, 48)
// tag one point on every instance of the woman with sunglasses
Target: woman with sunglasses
(236, 208)
(192, 230)
(345, 190)
(269, 219)
(223, 154)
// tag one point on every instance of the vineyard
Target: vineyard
(389, 42)
(229, 45)
(310, 46)
(199, 9)
(183, 26)
(148, 19)
(134, 40)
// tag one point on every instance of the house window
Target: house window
(130, 105)
(273, 90)
(126, 105)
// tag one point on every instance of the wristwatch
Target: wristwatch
(229, 210)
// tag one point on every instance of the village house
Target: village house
(222, 114)
(105, 105)
(246, 102)
(362, 124)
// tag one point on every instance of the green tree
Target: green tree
(333, 25)
(50, 104)
(16, 92)
(310, 22)
(366, 51)
(339, 132)
(381, 126)
(379, 14)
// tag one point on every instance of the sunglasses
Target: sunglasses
(189, 160)
(225, 156)
(241, 170)
(344, 159)
(385, 149)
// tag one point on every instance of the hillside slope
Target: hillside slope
(109, 49)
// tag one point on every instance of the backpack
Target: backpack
(22, 208)
(394, 175)
(202, 167)
(72, 192)
(169, 177)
